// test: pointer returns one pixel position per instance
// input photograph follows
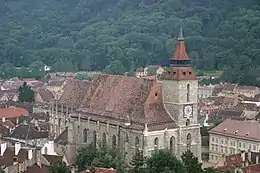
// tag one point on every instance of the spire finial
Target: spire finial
(181, 33)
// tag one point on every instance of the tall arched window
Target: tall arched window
(104, 138)
(95, 138)
(172, 144)
(188, 92)
(187, 122)
(85, 135)
(114, 141)
(156, 141)
(189, 141)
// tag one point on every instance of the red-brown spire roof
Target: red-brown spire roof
(180, 52)
(180, 67)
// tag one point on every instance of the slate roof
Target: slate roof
(45, 95)
(55, 83)
(7, 158)
(52, 159)
(27, 132)
(62, 139)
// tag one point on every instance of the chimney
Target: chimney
(30, 154)
(17, 148)
(257, 159)
(3, 119)
(3, 148)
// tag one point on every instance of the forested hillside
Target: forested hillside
(90, 34)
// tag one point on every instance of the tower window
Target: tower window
(189, 141)
(85, 135)
(184, 73)
(189, 73)
(155, 94)
(95, 138)
(187, 122)
(188, 92)
(114, 141)
(156, 140)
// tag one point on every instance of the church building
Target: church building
(130, 113)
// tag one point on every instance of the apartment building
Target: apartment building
(232, 137)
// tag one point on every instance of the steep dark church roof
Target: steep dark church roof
(121, 98)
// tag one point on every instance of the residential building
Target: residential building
(232, 137)
(131, 113)
(205, 91)
(13, 114)
(43, 96)
(56, 87)
(19, 159)
(29, 134)
(244, 162)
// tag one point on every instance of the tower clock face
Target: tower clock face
(188, 110)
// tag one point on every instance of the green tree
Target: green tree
(26, 94)
(58, 167)
(191, 162)
(151, 71)
(138, 163)
(115, 67)
(102, 156)
(164, 161)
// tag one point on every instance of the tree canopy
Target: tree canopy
(94, 34)
(26, 94)
(58, 167)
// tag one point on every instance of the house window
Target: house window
(212, 139)
(189, 141)
(85, 135)
(114, 141)
(156, 141)
(45, 150)
(188, 92)
(137, 142)
(244, 145)
(254, 147)
(239, 144)
(172, 144)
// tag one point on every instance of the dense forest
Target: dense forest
(92, 34)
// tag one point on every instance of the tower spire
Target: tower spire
(180, 62)
(180, 38)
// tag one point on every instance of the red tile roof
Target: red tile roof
(13, 112)
(180, 52)
(252, 169)
(238, 129)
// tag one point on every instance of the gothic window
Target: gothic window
(156, 141)
(114, 141)
(189, 141)
(127, 137)
(172, 144)
(104, 138)
(85, 135)
(187, 122)
(188, 92)
(95, 138)
(137, 143)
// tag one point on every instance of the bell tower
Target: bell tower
(180, 87)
